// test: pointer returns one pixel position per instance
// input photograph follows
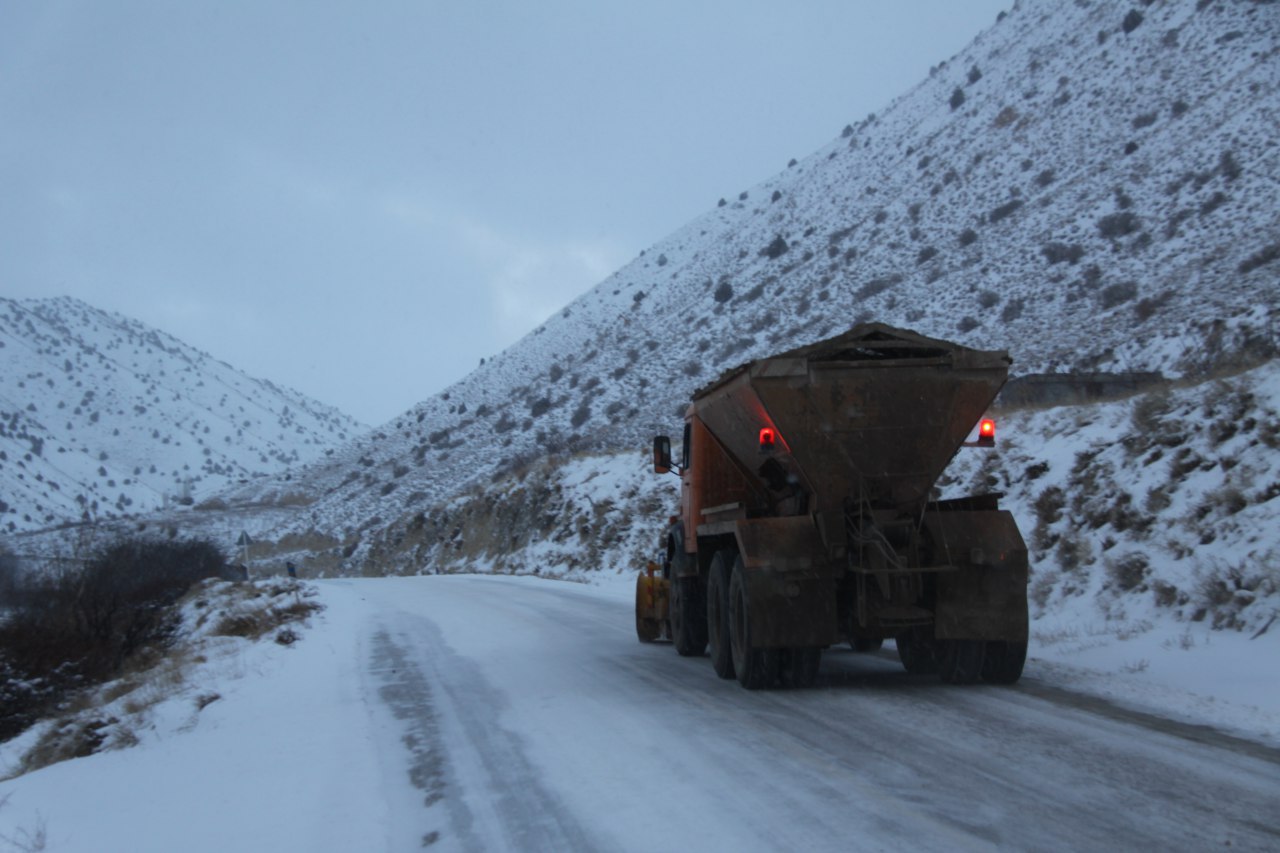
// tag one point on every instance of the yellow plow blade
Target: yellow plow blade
(651, 605)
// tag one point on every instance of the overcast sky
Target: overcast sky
(362, 199)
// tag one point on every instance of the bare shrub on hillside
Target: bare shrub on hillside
(1225, 593)
(1260, 258)
(1049, 505)
(72, 628)
(1144, 120)
(776, 249)
(878, 285)
(1073, 553)
(1041, 589)
(1116, 225)
(1117, 294)
(1057, 253)
(1005, 210)
(1012, 309)
(1148, 414)
(265, 607)
(1007, 116)
(1129, 572)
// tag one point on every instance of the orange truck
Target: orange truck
(809, 517)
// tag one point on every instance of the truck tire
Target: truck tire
(1003, 661)
(918, 651)
(688, 617)
(718, 614)
(799, 667)
(755, 667)
(960, 661)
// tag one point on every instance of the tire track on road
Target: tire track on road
(452, 729)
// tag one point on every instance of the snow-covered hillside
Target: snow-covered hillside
(1090, 185)
(102, 417)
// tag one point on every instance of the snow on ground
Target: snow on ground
(297, 753)
(286, 758)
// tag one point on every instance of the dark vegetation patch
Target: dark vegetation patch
(1213, 203)
(1144, 120)
(1117, 294)
(1120, 224)
(776, 249)
(1263, 256)
(1057, 253)
(1005, 210)
(878, 285)
(75, 627)
(1228, 167)
(1012, 310)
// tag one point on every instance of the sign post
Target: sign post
(244, 542)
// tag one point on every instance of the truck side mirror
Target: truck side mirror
(661, 454)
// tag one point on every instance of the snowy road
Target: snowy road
(531, 719)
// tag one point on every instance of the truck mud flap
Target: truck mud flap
(986, 598)
(790, 581)
(792, 609)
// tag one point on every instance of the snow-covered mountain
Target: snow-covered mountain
(102, 417)
(1090, 185)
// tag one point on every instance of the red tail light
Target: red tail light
(768, 437)
(987, 431)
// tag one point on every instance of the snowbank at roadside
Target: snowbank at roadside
(260, 746)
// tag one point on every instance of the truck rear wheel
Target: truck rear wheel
(917, 650)
(688, 617)
(960, 661)
(799, 667)
(1003, 661)
(755, 667)
(718, 614)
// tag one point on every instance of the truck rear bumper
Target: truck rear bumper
(794, 586)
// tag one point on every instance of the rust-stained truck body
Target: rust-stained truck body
(807, 517)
